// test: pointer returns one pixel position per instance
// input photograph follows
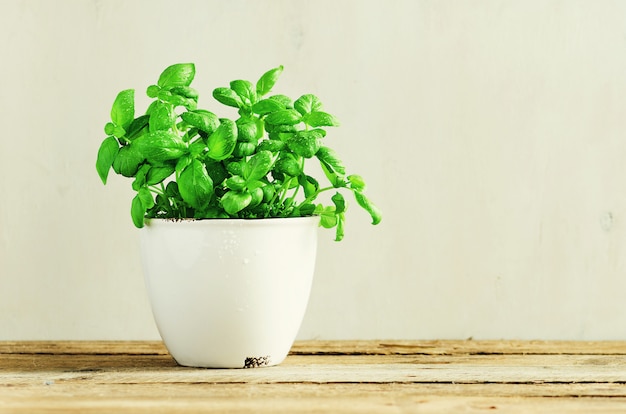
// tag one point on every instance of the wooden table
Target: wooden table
(320, 376)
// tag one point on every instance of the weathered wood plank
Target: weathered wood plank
(85, 362)
(26, 363)
(457, 347)
(301, 398)
(338, 405)
(82, 362)
(329, 376)
(83, 347)
(182, 390)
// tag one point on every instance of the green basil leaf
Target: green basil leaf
(247, 130)
(185, 91)
(123, 110)
(279, 129)
(257, 166)
(330, 158)
(245, 90)
(216, 171)
(106, 155)
(306, 209)
(127, 161)
(356, 182)
(227, 97)
(146, 197)
(197, 148)
(137, 211)
(236, 183)
(180, 74)
(305, 143)
(137, 127)
(195, 185)
(156, 175)
(118, 131)
(235, 167)
(268, 80)
(288, 165)
(253, 185)
(222, 142)
(328, 218)
(335, 179)
(339, 232)
(283, 100)
(368, 206)
(163, 204)
(203, 120)
(177, 100)
(162, 117)
(140, 177)
(160, 146)
(235, 201)
(308, 184)
(243, 149)
(272, 145)
(339, 202)
(268, 192)
(256, 194)
(307, 103)
(284, 117)
(171, 190)
(318, 119)
(182, 163)
(109, 128)
(267, 106)
(153, 91)
(319, 131)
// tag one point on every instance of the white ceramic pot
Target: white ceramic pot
(229, 293)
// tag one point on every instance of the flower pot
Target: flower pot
(229, 293)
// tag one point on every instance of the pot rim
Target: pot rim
(229, 221)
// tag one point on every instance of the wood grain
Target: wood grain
(324, 376)
(451, 347)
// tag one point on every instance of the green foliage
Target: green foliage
(189, 163)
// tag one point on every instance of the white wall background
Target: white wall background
(491, 133)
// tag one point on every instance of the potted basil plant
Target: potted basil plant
(228, 212)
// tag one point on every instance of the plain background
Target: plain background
(491, 134)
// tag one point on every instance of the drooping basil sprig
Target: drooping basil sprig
(189, 163)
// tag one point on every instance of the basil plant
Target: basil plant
(187, 162)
